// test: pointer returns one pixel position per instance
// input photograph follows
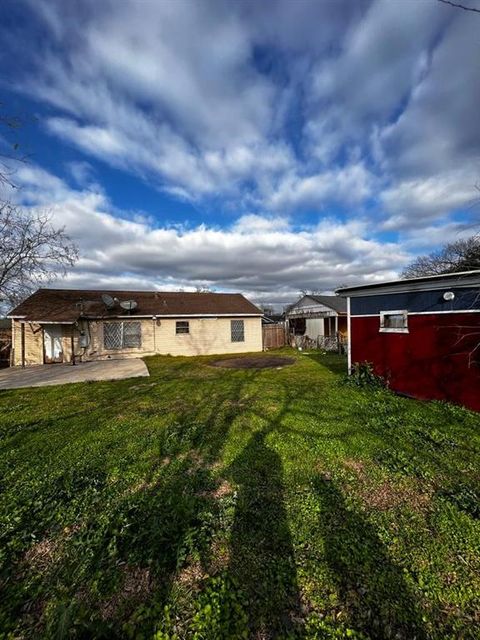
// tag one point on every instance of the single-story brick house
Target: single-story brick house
(66, 325)
(421, 334)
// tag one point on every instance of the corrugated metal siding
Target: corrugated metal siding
(418, 301)
(435, 360)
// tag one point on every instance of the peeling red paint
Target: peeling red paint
(438, 359)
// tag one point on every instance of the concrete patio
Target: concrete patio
(51, 374)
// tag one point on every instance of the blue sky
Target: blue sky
(257, 147)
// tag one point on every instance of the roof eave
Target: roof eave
(459, 280)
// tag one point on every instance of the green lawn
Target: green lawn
(215, 503)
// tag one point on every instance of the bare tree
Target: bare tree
(9, 146)
(32, 252)
(457, 5)
(461, 255)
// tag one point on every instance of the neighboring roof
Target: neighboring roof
(332, 302)
(68, 305)
(460, 279)
(273, 318)
(336, 303)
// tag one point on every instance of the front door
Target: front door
(52, 343)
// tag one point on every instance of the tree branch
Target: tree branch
(460, 6)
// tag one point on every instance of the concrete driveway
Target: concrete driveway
(50, 374)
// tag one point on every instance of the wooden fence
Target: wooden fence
(273, 336)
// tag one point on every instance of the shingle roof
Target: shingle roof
(68, 305)
(334, 302)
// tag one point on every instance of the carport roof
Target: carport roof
(69, 305)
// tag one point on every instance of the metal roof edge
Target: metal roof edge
(460, 279)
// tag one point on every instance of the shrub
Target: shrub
(363, 375)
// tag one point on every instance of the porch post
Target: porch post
(337, 337)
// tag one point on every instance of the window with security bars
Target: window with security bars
(122, 335)
(238, 331)
(182, 326)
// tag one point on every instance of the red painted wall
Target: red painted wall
(429, 362)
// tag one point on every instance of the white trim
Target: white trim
(462, 279)
(349, 337)
(46, 322)
(418, 313)
(180, 315)
(195, 315)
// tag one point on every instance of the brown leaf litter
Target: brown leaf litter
(389, 494)
(136, 586)
(46, 552)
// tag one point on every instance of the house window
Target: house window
(182, 327)
(394, 321)
(122, 335)
(238, 331)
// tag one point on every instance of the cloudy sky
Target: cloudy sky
(263, 147)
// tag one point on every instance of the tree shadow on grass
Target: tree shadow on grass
(262, 558)
(373, 590)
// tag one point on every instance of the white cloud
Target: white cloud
(350, 184)
(264, 257)
(280, 108)
(413, 203)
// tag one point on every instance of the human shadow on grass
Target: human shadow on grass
(373, 592)
(153, 526)
(262, 559)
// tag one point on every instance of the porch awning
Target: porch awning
(305, 313)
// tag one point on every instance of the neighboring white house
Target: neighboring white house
(318, 317)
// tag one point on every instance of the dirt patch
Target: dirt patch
(191, 576)
(43, 554)
(388, 494)
(135, 588)
(222, 490)
(253, 362)
(355, 465)
(219, 556)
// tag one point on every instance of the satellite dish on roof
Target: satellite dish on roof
(108, 301)
(129, 305)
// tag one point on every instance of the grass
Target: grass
(214, 503)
